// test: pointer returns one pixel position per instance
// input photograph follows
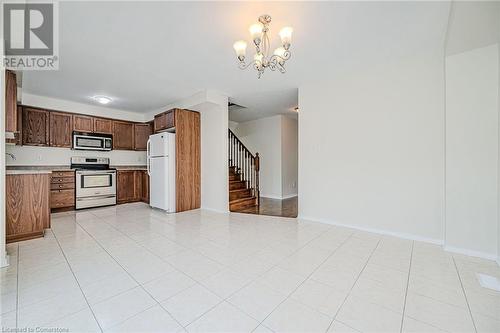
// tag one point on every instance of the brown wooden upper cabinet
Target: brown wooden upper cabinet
(35, 128)
(10, 102)
(142, 133)
(123, 135)
(83, 123)
(102, 125)
(164, 121)
(61, 126)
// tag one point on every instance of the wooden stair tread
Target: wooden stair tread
(239, 190)
(241, 199)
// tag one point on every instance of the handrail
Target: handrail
(241, 143)
(246, 165)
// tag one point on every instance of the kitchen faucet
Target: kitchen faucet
(11, 155)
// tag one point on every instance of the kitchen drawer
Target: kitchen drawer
(62, 198)
(60, 180)
(63, 174)
(62, 186)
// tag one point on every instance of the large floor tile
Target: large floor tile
(257, 300)
(292, 316)
(442, 315)
(226, 282)
(106, 288)
(190, 304)
(369, 317)
(121, 307)
(82, 321)
(223, 318)
(168, 285)
(320, 297)
(154, 319)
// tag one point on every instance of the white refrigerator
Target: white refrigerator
(161, 170)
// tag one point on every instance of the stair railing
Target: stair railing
(245, 163)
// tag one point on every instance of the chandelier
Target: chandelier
(261, 60)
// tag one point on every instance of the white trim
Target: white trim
(4, 261)
(376, 231)
(470, 253)
(270, 196)
(215, 210)
(278, 197)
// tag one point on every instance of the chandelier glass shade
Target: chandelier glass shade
(262, 59)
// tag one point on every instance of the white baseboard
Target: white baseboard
(376, 231)
(4, 261)
(277, 196)
(471, 253)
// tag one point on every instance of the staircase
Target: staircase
(243, 176)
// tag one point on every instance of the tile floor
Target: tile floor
(132, 269)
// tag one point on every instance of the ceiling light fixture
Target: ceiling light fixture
(261, 60)
(102, 99)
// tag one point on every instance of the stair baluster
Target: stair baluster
(245, 166)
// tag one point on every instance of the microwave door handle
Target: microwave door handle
(148, 148)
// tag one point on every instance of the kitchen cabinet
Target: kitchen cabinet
(164, 121)
(145, 187)
(83, 123)
(35, 127)
(61, 129)
(10, 102)
(129, 185)
(123, 135)
(62, 190)
(187, 160)
(104, 126)
(27, 206)
(142, 133)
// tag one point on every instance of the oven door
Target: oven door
(95, 183)
(88, 142)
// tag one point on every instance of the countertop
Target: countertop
(45, 169)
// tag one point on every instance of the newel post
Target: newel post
(257, 168)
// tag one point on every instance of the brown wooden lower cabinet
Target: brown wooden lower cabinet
(27, 206)
(62, 194)
(132, 186)
(145, 187)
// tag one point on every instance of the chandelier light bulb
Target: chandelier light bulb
(262, 59)
(240, 48)
(286, 36)
(256, 31)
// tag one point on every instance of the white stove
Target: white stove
(95, 182)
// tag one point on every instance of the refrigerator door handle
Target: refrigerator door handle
(148, 163)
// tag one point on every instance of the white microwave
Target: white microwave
(92, 141)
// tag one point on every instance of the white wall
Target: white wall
(214, 124)
(263, 136)
(75, 107)
(371, 149)
(289, 156)
(472, 151)
(31, 156)
(3, 254)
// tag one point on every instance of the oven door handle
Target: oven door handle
(96, 172)
(95, 197)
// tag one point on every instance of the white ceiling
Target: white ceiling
(146, 55)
